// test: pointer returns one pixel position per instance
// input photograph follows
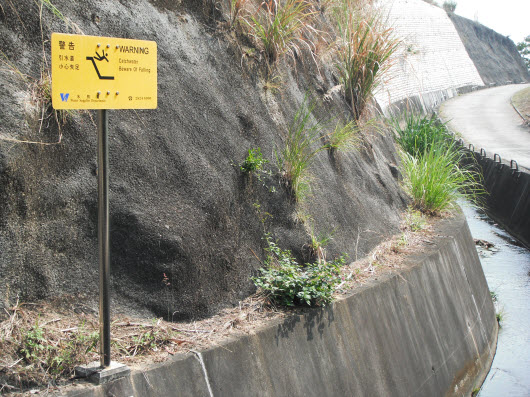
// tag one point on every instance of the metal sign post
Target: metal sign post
(103, 73)
(103, 239)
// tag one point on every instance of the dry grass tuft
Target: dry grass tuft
(41, 343)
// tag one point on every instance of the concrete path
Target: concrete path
(487, 119)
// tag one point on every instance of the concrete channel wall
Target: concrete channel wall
(428, 329)
(508, 199)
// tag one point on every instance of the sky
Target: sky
(507, 17)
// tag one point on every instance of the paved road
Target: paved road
(487, 119)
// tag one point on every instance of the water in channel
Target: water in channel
(507, 269)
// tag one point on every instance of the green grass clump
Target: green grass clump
(420, 134)
(435, 180)
(344, 137)
(278, 26)
(433, 165)
(288, 283)
(299, 149)
(364, 48)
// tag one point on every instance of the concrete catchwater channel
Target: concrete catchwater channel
(507, 270)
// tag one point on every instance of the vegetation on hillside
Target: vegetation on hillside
(524, 49)
(435, 172)
(358, 47)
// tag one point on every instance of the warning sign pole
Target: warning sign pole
(103, 238)
(90, 72)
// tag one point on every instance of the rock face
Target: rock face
(494, 55)
(180, 206)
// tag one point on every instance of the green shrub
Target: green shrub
(299, 149)
(288, 283)
(420, 134)
(435, 180)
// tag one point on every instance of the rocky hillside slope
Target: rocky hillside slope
(494, 55)
(187, 224)
(181, 209)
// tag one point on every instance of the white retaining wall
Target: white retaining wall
(431, 62)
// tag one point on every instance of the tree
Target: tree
(524, 49)
(449, 6)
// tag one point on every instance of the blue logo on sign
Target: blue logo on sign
(64, 97)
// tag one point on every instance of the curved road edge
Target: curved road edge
(506, 182)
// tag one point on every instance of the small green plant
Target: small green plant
(33, 344)
(414, 220)
(288, 283)
(56, 358)
(318, 244)
(254, 161)
(435, 180)
(494, 296)
(278, 27)
(420, 134)
(299, 149)
(475, 392)
(500, 317)
(399, 244)
(344, 137)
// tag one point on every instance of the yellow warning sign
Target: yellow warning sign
(90, 72)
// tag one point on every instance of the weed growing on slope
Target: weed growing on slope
(318, 244)
(41, 345)
(364, 47)
(254, 164)
(278, 27)
(287, 283)
(420, 134)
(254, 161)
(344, 137)
(435, 169)
(236, 7)
(299, 150)
(494, 296)
(435, 180)
(500, 316)
(449, 5)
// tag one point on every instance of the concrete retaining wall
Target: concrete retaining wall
(508, 199)
(428, 331)
(432, 63)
